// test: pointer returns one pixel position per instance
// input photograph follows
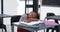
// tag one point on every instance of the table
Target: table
(5, 16)
(57, 17)
(33, 28)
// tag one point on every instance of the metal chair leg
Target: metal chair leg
(44, 30)
(2, 30)
(36, 31)
(12, 28)
(33, 31)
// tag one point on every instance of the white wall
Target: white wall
(10, 7)
(46, 9)
(0, 6)
(20, 7)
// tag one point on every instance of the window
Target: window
(24, 7)
(21, 7)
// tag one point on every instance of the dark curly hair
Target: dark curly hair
(38, 16)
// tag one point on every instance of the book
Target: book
(31, 23)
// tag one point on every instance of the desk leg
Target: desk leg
(34, 31)
(44, 30)
(59, 28)
(12, 28)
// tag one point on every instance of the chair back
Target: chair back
(15, 19)
(1, 21)
(52, 14)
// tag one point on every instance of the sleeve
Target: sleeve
(21, 18)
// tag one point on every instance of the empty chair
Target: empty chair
(2, 26)
(52, 14)
(14, 19)
(56, 27)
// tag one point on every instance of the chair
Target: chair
(2, 26)
(56, 27)
(14, 19)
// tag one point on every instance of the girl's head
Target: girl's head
(33, 15)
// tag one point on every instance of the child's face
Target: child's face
(32, 15)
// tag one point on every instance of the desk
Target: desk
(32, 28)
(57, 17)
(5, 16)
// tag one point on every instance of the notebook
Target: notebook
(32, 23)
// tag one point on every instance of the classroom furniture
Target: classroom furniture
(56, 21)
(32, 28)
(57, 17)
(2, 26)
(15, 19)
